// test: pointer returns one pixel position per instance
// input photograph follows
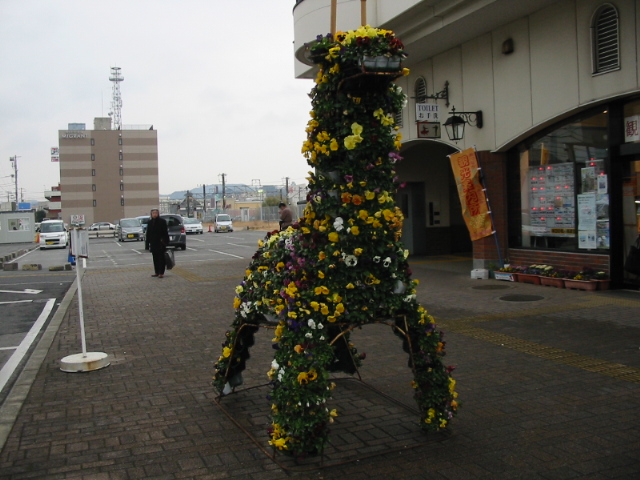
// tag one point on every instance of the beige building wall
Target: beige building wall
(546, 78)
(107, 174)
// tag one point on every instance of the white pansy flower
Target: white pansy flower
(386, 262)
(311, 323)
(376, 259)
(338, 224)
(350, 260)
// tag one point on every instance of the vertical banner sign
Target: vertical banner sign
(474, 203)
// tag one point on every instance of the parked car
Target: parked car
(102, 226)
(193, 225)
(53, 234)
(144, 220)
(177, 234)
(223, 223)
(129, 229)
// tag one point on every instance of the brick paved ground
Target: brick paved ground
(550, 388)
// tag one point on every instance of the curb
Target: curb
(11, 407)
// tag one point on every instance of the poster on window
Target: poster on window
(475, 210)
(587, 215)
(588, 176)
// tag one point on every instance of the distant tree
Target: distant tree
(271, 202)
(40, 215)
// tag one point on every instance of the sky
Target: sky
(215, 78)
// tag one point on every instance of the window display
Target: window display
(564, 194)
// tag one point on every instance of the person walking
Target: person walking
(286, 217)
(158, 238)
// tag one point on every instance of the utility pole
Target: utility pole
(286, 190)
(204, 200)
(14, 159)
(188, 204)
(224, 201)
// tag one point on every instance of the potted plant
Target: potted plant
(581, 280)
(551, 277)
(531, 275)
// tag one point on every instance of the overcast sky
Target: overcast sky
(215, 78)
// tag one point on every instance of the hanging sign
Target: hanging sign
(427, 112)
(472, 198)
(429, 129)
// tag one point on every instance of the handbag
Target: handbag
(632, 263)
(169, 259)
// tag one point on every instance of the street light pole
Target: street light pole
(14, 159)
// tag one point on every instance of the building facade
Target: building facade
(107, 174)
(54, 204)
(557, 82)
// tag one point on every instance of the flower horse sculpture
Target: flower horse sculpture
(342, 265)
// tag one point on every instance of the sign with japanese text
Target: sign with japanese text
(427, 112)
(471, 192)
(631, 132)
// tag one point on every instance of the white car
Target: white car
(223, 223)
(53, 234)
(192, 225)
(102, 226)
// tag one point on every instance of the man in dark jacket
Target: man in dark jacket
(286, 216)
(158, 238)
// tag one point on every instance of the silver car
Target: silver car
(129, 229)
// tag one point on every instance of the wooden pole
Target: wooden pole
(363, 12)
(333, 17)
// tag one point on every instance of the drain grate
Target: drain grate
(491, 287)
(521, 298)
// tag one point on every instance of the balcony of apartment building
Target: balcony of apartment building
(54, 202)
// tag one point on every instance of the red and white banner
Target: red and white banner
(471, 192)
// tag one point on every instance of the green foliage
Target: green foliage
(343, 262)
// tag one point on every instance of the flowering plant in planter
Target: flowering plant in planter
(588, 273)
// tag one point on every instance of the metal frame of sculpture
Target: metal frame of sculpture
(342, 265)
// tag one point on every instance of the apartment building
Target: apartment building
(108, 174)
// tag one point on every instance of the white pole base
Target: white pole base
(84, 362)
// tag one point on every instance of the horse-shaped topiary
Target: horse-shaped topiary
(342, 265)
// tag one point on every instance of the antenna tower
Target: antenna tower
(116, 101)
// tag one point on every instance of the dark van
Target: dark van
(177, 235)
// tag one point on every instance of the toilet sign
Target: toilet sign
(428, 129)
(427, 112)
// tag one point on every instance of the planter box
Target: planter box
(585, 285)
(602, 284)
(552, 282)
(504, 276)
(529, 278)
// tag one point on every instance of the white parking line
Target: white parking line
(245, 246)
(23, 348)
(225, 253)
(16, 301)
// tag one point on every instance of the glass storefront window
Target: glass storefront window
(565, 187)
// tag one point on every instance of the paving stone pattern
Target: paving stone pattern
(538, 397)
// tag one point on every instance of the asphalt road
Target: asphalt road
(29, 298)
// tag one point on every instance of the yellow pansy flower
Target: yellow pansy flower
(334, 237)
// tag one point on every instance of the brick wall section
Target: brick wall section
(494, 167)
(559, 260)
